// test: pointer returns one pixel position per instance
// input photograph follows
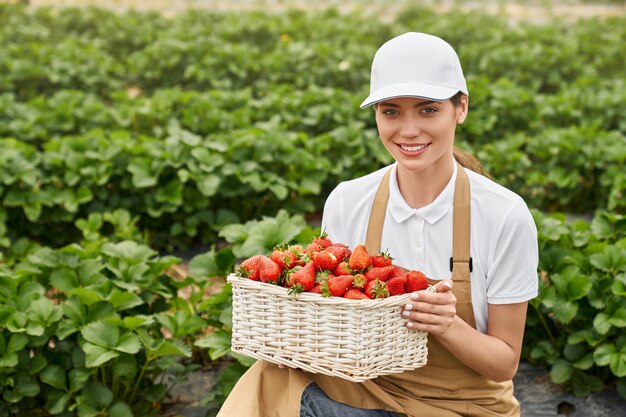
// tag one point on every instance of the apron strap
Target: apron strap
(461, 262)
(377, 216)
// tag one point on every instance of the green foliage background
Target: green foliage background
(196, 130)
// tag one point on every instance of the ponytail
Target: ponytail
(469, 161)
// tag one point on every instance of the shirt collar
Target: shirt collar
(432, 213)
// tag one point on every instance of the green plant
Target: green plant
(576, 324)
(80, 332)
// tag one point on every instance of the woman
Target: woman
(433, 213)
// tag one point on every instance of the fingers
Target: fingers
(444, 285)
(431, 311)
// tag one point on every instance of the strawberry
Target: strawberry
(382, 259)
(340, 251)
(376, 289)
(313, 247)
(398, 271)
(284, 258)
(415, 281)
(343, 269)
(301, 278)
(353, 294)
(316, 289)
(359, 281)
(379, 273)
(324, 260)
(321, 276)
(337, 286)
(270, 271)
(297, 249)
(360, 259)
(395, 285)
(323, 240)
(250, 268)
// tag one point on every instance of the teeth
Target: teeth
(413, 148)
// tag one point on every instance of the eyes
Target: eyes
(395, 112)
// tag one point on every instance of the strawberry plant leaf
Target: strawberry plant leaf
(54, 376)
(611, 260)
(170, 347)
(128, 343)
(64, 279)
(57, 401)
(101, 334)
(212, 263)
(97, 395)
(218, 344)
(120, 409)
(124, 300)
(96, 356)
(561, 371)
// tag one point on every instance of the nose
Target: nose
(410, 128)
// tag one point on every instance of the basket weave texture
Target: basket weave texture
(352, 339)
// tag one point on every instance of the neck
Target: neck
(420, 188)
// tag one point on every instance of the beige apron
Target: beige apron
(443, 388)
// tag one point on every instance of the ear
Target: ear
(462, 109)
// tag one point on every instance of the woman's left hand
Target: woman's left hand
(429, 311)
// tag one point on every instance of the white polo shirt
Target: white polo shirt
(503, 238)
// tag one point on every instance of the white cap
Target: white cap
(415, 65)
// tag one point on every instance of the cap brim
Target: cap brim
(418, 90)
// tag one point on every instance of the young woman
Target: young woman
(434, 212)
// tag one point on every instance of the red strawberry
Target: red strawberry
(376, 289)
(415, 281)
(398, 271)
(269, 271)
(340, 251)
(313, 247)
(360, 259)
(250, 268)
(395, 285)
(323, 240)
(321, 276)
(324, 260)
(297, 249)
(359, 281)
(382, 259)
(337, 286)
(316, 289)
(301, 279)
(379, 273)
(353, 294)
(343, 269)
(284, 258)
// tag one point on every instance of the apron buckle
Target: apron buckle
(471, 265)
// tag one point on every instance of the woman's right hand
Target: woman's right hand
(431, 311)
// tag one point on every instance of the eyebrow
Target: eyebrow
(421, 103)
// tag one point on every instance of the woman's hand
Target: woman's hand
(431, 311)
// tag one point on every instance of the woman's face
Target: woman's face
(419, 133)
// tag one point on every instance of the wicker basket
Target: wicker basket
(352, 339)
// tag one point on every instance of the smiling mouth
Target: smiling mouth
(413, 148)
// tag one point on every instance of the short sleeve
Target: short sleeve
(512, 272)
